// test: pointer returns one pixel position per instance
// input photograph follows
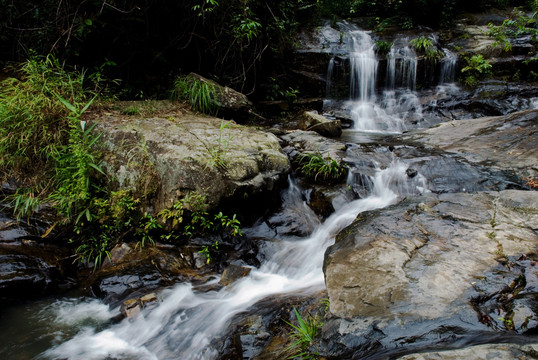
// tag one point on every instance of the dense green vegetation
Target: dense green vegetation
(51, 153)
(146, 43)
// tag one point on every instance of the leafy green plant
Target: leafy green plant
(24, 203)
(75, 164)
(207, 253)
(477, 68)
(517, 25)
(95, 249)
(245, 26)
(148, 226)
(383, 47)
(189, 217)
(201, 94)
(205, 7)
(33, 121)
(424, 45)
(276, 91)
(303, 335)
(318, 168)
(231, 224)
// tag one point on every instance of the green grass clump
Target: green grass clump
(201, 94)
(318, 168)
(33, 121)
(303, 335)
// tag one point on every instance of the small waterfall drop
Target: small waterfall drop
(401, 66)
(448, 67)
(400, 101)
(184, 324)
(363, 66)
(363, 70)
(330, 70)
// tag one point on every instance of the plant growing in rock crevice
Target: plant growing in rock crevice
(517, 25)
(201, 95)
(424, 45)
(218, 151)
(317, 168)
(304, 333)
(189, 217)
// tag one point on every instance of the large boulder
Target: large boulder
(431, 271)
(129, 272)
(506, 351)
(163, 158)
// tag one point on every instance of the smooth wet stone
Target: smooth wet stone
(407, 275)
(23, 277)
(507, 142)
(130, 271)
(481, 352)
(233, 273)
(132, 307)
(312, 121)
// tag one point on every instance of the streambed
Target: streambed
(189, 321)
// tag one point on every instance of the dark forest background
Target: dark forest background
(146, 43)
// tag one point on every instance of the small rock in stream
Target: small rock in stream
(233, 273)
(132, 307)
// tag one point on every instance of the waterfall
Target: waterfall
(401, 66)
(186, 321)
(363, 66)
(448, 67)
(363, 69)
(330, 70)
(400, 101)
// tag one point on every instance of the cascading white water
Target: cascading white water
(400, 101)
(185, 322)
(363, 70)
(448, 67)
(330, 70)
(401, 66)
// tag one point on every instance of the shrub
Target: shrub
(477, 68)
(383, 47)
(518, 24)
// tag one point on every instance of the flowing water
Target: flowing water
(185, 321)
(397, 104)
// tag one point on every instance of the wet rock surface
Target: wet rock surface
(312, 121)
(481, 352)
(432, 270)
(24, 277)
(130, 272)
(506, 142)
